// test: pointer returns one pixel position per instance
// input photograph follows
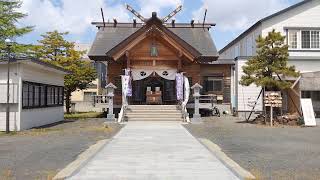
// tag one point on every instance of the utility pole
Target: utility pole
(8, 43)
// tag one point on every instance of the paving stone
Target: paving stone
(154, 150)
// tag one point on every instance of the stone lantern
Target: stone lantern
(196, 94)
(110, 94)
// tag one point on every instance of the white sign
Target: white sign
(308, 112)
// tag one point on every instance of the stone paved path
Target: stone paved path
(154, 151)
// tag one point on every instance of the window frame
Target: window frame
(307, 39)
(312, 40)
(43, 98)
(213, 79)
(290, 33)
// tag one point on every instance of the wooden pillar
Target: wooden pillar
(128, 60)
(180, 62)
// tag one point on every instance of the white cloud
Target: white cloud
(73, 16)
(149, 6)
(236, 15)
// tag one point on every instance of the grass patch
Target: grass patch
(11, 133)
(84, 115)
(31, 132)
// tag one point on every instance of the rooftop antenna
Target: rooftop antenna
(104, 23)
(205, 16)
(173, 13)
(134, 12)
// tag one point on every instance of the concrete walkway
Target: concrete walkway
(154, 150)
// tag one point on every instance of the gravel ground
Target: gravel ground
(268, 153)
(41, 153)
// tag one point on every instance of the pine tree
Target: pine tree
(267, 68)
(9, 16)
(56, 50)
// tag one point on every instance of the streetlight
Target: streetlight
(9, 45)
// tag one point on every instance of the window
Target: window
(293, 39)
(305, 38)
(56, 95)
(61, 96)
(315, 39)
(213, 84)
(42, 95)
(310, 39)
(31, 95)
(36, 95)
(50, 95)
(25, 95)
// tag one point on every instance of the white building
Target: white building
(36, 94)
(82, 100)
(300, 23)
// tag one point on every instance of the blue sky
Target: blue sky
(232, 16)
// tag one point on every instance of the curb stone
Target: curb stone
(232, 165)
(81, 160)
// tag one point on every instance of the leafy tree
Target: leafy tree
(9, 16)
(270, 64)
(56, 50)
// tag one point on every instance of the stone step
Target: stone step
(152, 107)
(148, 111)
(152, 113)
(152, 116)
(154, 119)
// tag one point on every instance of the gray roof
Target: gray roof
(260, 22)
(109, 37)
(36, 61)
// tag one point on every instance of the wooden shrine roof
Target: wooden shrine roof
(110, 35)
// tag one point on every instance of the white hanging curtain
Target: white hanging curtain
(139, 74)
(125, 84)
(186, 91)
(169, 74)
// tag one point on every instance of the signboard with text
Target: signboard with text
(308, 112)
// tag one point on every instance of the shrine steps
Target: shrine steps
(153, 113)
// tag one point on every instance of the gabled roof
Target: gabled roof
(260, 22)
(110, 36)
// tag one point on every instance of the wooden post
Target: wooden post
(128, 60)
(271, 115)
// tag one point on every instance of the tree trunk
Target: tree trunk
(68, 101)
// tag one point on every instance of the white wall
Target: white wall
(303, 17)
(21, 119)
(306, 65)
(245, 47)
(14, 96)
(245, 94)
(41, 116)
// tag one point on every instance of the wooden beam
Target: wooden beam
(165, 58)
